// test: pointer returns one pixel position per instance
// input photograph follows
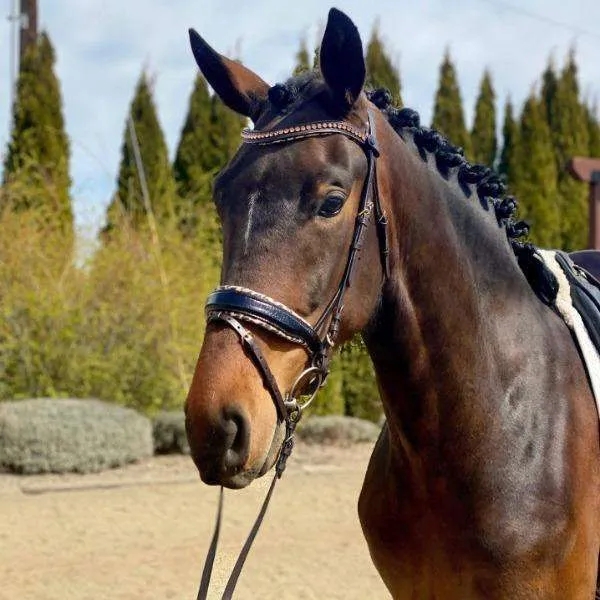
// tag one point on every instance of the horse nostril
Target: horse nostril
(237, 447)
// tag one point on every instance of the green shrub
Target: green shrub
(125, 326)
(168, 429)
(330, 399)
(359, 389)
(58, 436)
(335, 429)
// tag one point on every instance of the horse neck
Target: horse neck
(444, 340)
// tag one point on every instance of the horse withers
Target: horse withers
(485, 481)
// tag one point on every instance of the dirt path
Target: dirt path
(147, 540)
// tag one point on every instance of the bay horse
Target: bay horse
(485, 480)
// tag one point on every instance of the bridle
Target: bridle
(231, 305)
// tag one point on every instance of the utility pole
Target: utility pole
(588, 170)
(14, 18)
(29, 25)
(23, 19)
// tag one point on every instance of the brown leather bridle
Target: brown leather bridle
(232, 304)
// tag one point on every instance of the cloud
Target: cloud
(103, 45)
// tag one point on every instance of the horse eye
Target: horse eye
(332, 205)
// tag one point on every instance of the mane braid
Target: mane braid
(490, 186)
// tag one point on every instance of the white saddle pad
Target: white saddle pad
(574, 321)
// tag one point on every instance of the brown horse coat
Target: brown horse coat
(485, 481)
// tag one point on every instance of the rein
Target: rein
(232, 304)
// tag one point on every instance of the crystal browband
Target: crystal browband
(286, 134)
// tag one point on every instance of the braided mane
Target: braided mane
(490, 186)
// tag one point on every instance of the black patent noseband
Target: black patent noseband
(232, 304)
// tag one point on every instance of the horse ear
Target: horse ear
(239, 88)
(341, 57)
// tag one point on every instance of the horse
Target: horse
(485, 480)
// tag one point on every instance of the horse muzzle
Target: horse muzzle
(223, 451)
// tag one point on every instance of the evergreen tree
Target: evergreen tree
(509, 160)
(210, 136)
(302, 59)
(571, 138)
(593, 125)
(196, 160)
(483, 137)
(535, 185)
(226, 128)
(381, 72)
(317, 51)
(549, 92)
(36, 167)
(317, 58)
(129, 200)
(195, 154)
(448, 117)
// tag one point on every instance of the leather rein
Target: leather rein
(230, 305)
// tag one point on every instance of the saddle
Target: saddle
(583, 274)
(589, 260)
(568, 283)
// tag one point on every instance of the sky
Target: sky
(103, 45)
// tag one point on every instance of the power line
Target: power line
(543, 18)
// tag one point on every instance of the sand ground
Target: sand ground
(141, 532)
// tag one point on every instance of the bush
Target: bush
(360, 391)
(59, 436)
(338, 430)
(330, 399)
(124, 326)
(168, 429)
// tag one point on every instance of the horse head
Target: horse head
(290, 202)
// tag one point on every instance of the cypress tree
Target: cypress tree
(549, 93)
(193, 169)
(448, 116)
(194, 155)
(302, 59)
(593, 125)
(129, 200)
(210, 136)
(509, 160)
(317, 58)
(535, 184)
(226, 127)
(36, 165)
(483, 137)
(381, 71)
(571, 138)
(224, 138)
